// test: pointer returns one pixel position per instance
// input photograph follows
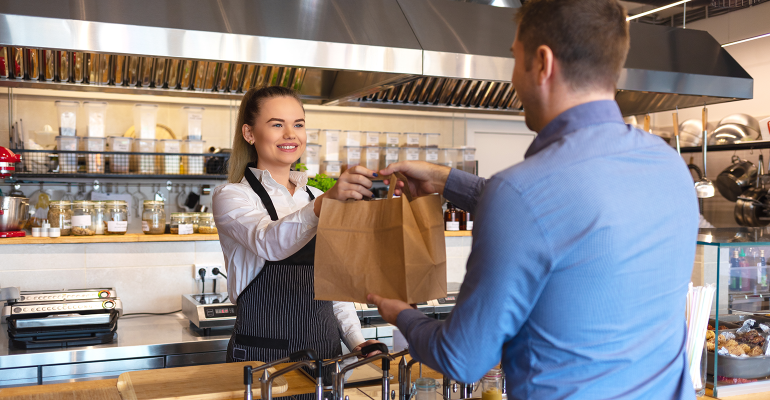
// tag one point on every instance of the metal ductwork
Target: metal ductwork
(419, 54)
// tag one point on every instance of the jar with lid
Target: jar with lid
(99, 218)
(451, 218)
(492, 385)
(194, 216)
(372, 157)
(153, 217)
(181, 224)
(83, 218)
(115, 217)
(60, 216)
(425, 389)
(206, 224)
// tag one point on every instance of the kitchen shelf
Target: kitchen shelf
(20, 176)
(127, 238)
(759, 144)
(458, 233)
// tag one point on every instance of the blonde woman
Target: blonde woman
(267, 218)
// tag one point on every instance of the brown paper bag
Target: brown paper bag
(393, 248)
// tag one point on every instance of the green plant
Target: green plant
(321, 181)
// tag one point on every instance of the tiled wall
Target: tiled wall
(149, 277)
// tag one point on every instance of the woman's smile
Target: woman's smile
(288, 147)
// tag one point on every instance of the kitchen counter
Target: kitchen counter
(127, 238)
(142, 342)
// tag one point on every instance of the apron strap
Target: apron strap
(257, 187)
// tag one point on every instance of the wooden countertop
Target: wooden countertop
(127, 238)
(458, 233)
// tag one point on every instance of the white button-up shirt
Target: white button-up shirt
(249, 237)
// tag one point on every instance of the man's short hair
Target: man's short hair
(589, 38)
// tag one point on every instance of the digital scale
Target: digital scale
(208, 310)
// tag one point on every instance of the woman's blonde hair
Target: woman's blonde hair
(243, 153)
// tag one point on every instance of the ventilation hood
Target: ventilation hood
(419, 54)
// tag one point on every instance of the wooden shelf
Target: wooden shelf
(127, 238)
(457, 233)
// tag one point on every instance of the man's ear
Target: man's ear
(543, 63)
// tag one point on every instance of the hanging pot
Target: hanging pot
(750, 209)
(736, 179)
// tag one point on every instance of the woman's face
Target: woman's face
(279, 132)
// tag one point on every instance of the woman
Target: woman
(267, 218)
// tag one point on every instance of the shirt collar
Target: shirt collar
(578, 117)
(299, 179)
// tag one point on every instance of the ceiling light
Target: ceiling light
(657, 9)
(746, 40)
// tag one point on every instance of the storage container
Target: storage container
(429, 154)
(351, 156)
(119, 162)
(392, 139)
(447, 156)
(409, 154)
(388, 155)
(372, 138)
(181, 224)
(60, 216)
(82, 218)
(194, 217)
(312, 136)
(412, 139)
(332, 169)
(193, 122)
(94, 162)
(372, 161)
(99, 217)
(169, 165)
(115, 217)
(193, 164)
(68, 162)
(68, 112)
(206, 224)
(153, 217)
(430, 139)
(145, 119)
(96, 116)
(468, 158)
(143, 163)
(330, 140)
(351, 138)
(312, 159)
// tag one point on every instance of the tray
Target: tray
(740, 367)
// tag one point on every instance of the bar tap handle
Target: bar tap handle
(339, 381)
(247, 381)
(267, 379)
(385, 380)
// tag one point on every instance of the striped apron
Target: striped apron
(276, 314)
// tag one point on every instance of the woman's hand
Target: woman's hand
(367, 343)
(354, 184)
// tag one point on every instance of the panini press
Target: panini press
(80, 317)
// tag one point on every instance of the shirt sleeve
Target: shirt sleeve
(464, 189)
(350, 326)
(249, 224)
(507, 270)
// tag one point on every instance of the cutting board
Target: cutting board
(202, 382)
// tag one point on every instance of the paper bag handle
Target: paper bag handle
(394, 178)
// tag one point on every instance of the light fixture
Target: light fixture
(657, 9)
(746, 40)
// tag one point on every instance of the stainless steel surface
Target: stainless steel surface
(691, 131)
(63, 320)
(736, 128)
(736, 179)
(181, 360)
(136, 337)
(47, 308)
(102, 368)
(61, 295)
(740, 367)
(199, 309)
(704, 188)
(11, 213)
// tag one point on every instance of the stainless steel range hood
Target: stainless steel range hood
(419, 54)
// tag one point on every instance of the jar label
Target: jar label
(372, 139)
(185, 229)
(413, 139)
(352, 141)
(312, 169)
(312, 137)
(470, 157)
(66, 224)
(373, 154)
(121, 145)
(469, 226)
(354, 154)
(392, 140)
(453, 225)
(81, 220)
(333, 167)
(117, 226)
(412, 154)
(145, 226)
(431, 156)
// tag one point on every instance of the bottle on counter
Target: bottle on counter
(745, 274)
(492, 385)
(425, 389)
(762, 271)
(735, 280)
(451, 218)
(466, 224)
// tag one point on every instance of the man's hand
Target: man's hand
(388, 308)
(354, 184)
(424, 178)
(366, 343)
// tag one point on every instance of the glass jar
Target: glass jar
(194, 218)
(60, 216)
(425, 389)
(99, 217)
(492, 385)
(181, 224)
(206, 224)
(83, 218)
(372, 157)
(153, 217)
(115, 217)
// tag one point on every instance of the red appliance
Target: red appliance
(8, 159)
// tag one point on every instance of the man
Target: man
(582, 252)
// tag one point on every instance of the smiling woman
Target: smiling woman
(267, 218)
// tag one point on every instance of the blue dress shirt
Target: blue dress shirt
(578, 273)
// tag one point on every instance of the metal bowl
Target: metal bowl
(690, 133)
(14, 213)
(736, 128)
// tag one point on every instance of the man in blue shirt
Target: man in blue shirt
(581, 253)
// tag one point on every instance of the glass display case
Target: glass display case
(734, 259)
